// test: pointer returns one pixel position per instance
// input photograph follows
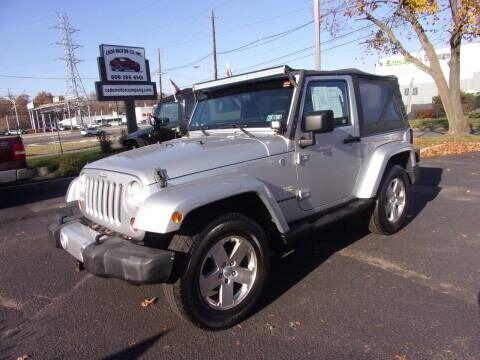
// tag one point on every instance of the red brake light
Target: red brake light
(18, 151)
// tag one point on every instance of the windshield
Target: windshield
(166, 113)
(253, 105)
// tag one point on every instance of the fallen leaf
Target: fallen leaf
(449, 148)
(148, 302)
(23, 357)
(400, 357)
(294, 324)
(270, 326)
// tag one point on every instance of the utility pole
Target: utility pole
(159, 75)
(317, 18)
(214, 50)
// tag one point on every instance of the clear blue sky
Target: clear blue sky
(180, 28)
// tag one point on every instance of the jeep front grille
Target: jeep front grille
(103, 199)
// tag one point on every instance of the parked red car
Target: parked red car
(13, 164)
(124, 64)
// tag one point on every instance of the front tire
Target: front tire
(392, 203)
(228, 265)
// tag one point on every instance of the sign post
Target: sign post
(124, 76)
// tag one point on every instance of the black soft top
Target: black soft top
(352, 72)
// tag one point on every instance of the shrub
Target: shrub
(469, 101)
(105, 143)
(426, 114)
(429, 124)
(69, 165)
(474, 114)
(122, 138)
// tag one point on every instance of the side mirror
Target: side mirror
(318, 121)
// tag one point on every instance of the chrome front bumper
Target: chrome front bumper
(111, 256)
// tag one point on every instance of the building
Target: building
(143, 113)
(418, 87)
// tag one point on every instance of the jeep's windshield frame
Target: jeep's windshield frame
(254, 104)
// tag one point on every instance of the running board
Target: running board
(303, 229)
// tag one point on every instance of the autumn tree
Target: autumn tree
(399, 23)
(42, 98)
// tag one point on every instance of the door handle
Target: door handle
(351, 139)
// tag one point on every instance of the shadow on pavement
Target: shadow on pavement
(137, 350)
(425, 190)
(17, 195)
(315, 249)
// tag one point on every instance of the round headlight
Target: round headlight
(135, 195)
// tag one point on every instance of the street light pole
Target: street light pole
(214, 50)
(317, 20)
(160, 90)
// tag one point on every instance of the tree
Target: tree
(42, 98)
(398, 22)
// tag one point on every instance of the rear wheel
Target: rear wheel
(392, 203)
(226, 272)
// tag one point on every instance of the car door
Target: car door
(328, 169)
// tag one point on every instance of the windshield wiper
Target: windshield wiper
(242, 129)
(202, 129)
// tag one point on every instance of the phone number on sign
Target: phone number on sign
(126, 77)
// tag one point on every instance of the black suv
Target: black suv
(170, 120)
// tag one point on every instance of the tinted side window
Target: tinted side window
(168, 112)
(328, 95)
(381, 108)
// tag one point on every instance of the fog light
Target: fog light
(177, 217)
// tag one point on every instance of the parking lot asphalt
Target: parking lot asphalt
(342, 294)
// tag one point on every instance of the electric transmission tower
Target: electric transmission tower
(74, 90)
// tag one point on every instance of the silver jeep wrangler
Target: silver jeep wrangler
(270, 155)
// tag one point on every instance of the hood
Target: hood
(180, 157)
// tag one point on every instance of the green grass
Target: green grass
(425, 124)
(68, 164)
(423, 142)
(55, 148)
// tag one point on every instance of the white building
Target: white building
(418, 87)
(143, 113)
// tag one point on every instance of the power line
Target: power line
(263, 39)
(302, 50)
(41, 77)
(246, 46)
(235, 29)
(192, 63)
(174, 22)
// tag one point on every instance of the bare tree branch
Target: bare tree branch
(394, 40)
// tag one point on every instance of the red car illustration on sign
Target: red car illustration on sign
(124, 64)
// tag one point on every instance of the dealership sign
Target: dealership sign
(124, 74)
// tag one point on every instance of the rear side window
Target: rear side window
(381, 107)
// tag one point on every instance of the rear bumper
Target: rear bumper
(15, 175)
(111, 256)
